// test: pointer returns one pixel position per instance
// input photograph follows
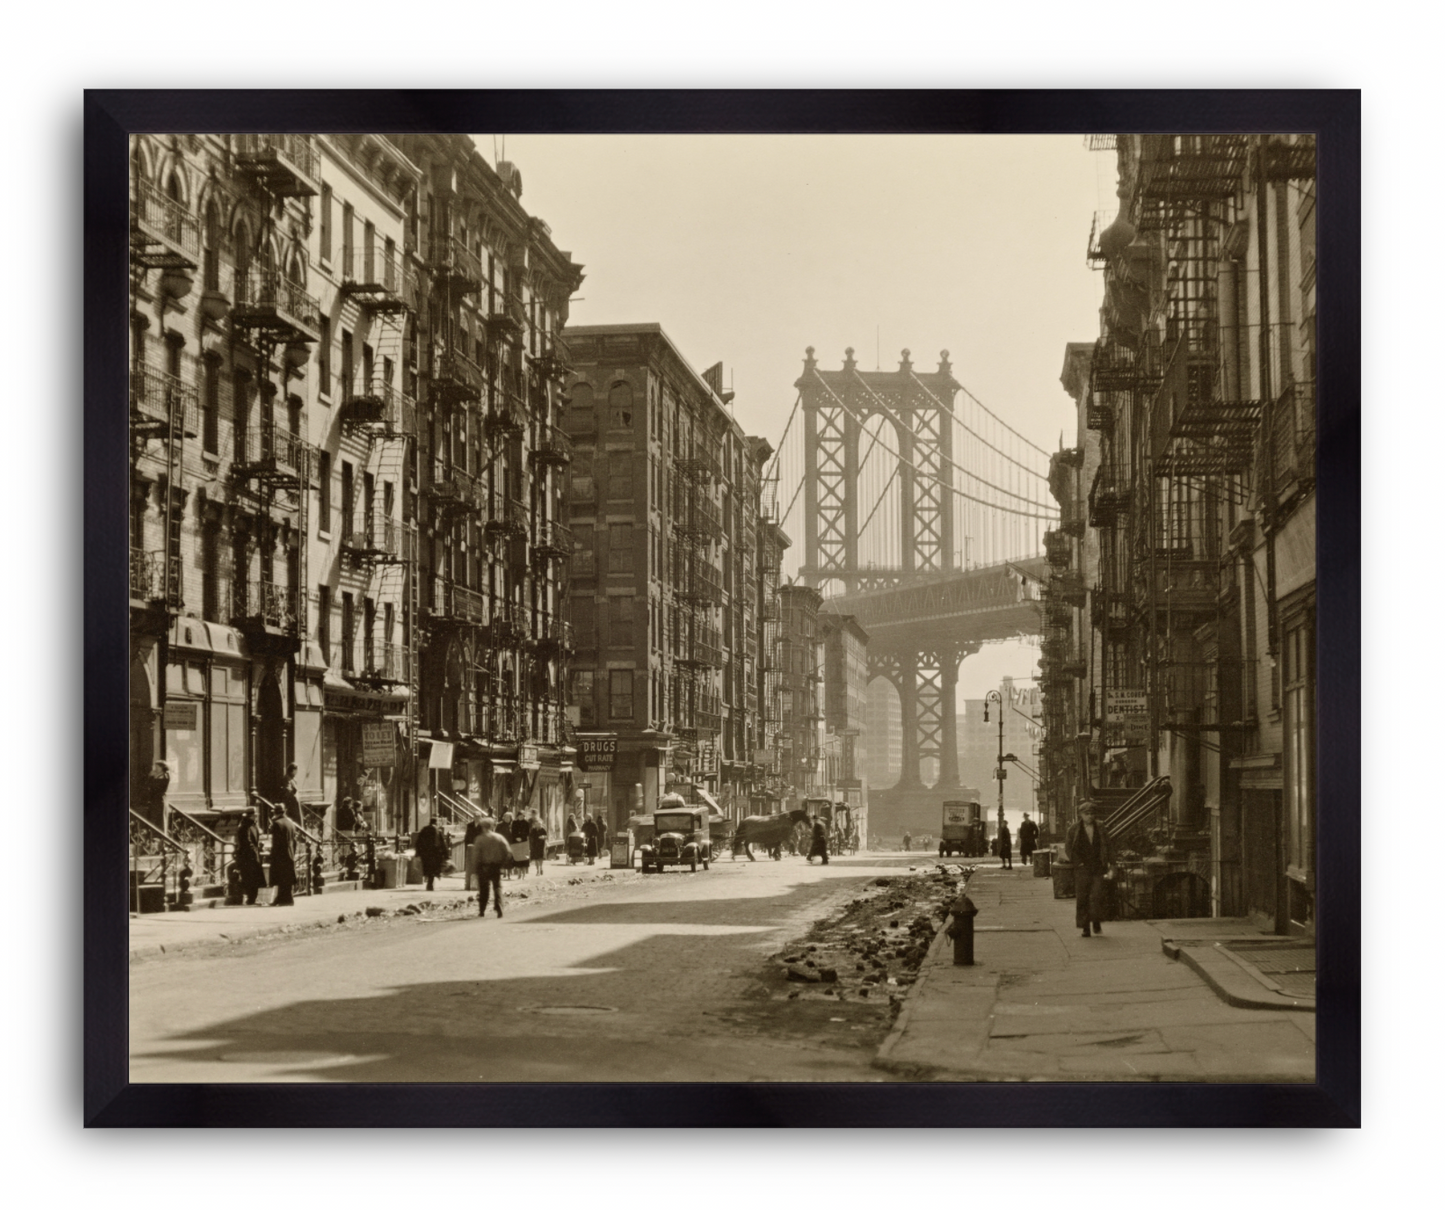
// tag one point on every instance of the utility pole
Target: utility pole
(995, 695)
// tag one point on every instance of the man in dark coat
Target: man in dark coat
(248, 856)
(537, 840)
(284, 834)
(290, 802)
(1028, 838)
(819, 846)
(1005, 845)
(601, 833)
(431, 848)
(492, 854)
(1087, 847)
(589, 830)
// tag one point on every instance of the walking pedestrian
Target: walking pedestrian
(537, 838)
(907, 841)
(248, 856)
(589, 832)
(283, 859)
(1005, 845)
(431, 849)
(601, 833)
(492, 854)
(819, 847)
(1087, 847)
(1028, 838)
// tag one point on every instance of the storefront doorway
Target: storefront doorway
(270, 739)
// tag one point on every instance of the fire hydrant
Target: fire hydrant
(961, 930)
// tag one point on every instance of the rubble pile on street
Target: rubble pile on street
(873, 947)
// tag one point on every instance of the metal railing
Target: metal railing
(453, 489)
(553, 540)
(455, 375)
(375, 270)
(166, 219)
(155, 859)
(157, 395)
(1186, 586)
(254, 602)
(508, 517)
(510, 624)
(507, 413)
(297, 151)
(451, 601)
(209, 853)
(268, 446)
(382, 539)
(1293, 435)
(153, 577)
(387, 662)
(267, 297)
(377, 401)
(450, 258)
(553, 445)
(555, 633)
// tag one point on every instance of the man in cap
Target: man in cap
(1087, 847)
(283, 859)
(492, 854)
(1028, 838)
(248, 856)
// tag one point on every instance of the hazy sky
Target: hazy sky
(748, 249)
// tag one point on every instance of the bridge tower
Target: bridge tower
(836, 406)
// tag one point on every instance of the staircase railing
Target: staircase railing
(1137, 808)
(463, 812)
(209, 852)
(160, 851)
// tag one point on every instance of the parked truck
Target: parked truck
(963, 833)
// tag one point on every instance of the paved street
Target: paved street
(662, 978)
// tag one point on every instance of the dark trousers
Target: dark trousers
(1088, 898)
(1006, 855)
(283, 894)
(489, 881)
(1025, 852)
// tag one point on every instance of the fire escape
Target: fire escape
(164, 239)
(272, 464)
(697, 585)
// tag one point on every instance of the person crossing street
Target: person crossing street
(492, 854)
(1087, 848)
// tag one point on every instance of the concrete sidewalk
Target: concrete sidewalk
(212, 920)
(1045, 1003)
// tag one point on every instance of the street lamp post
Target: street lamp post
(995, 695)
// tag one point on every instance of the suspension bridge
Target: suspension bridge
(921, 513)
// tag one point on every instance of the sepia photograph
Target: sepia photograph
(729, 607)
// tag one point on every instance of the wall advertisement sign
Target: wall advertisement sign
(529, 758)
(181, 716)
(1126, 716)
(596, 753)
(378, 745)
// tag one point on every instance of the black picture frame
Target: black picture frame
(1333, 1100)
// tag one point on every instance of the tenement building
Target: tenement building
(665, 593)
(1178, 669)
(347, 551)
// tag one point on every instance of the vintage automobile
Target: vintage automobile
(680, 836)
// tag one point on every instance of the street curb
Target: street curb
(933, 958)
(1232, 981)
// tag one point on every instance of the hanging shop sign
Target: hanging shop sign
(378, 745)
(442, 755)
(596, 753)
(1126, 716)
(180, 716)
(707, 758)
(529, 758)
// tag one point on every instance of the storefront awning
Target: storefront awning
(708, 800)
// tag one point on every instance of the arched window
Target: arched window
(211, 257)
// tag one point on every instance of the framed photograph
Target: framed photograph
(722, 608)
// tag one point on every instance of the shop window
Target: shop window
(620, 694)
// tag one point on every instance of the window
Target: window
(619, 550)
(619, 477)
(348, 356)
(348, 500)
(619, 406)
(346, 216)
(584, 556)
(323, 475)
(619, 633)
(211, 279)
(620, 694)
(323, 621)
(211, 417)
(584, 699)
(326, 222)
(348, 632)
(323, 355)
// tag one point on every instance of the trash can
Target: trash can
(1042, 858)
(1063, 873)
(392, 869)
